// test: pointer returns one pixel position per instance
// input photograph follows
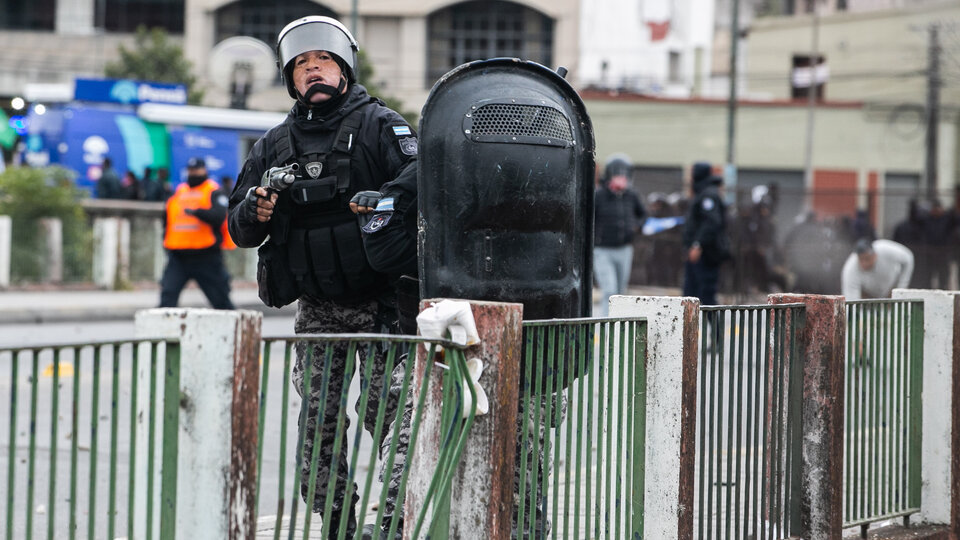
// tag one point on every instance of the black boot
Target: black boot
(351, 516)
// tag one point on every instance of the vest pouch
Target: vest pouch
(328, 276)
(276, 285)
(360, 277)
(314, 191)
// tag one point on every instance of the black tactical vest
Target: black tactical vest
(313, 221)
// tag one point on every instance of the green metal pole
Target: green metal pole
(171, 433)
(284, 418)
(916, 405)
(131, 483)
(639, 455)
(264, 378)
(74, 443)
(152, 434)
(33, 443)
(11, 450)
(54, 424)
(114, 394)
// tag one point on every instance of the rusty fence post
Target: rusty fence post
(672, 332)
(940, 452)
(822, 349)
(217, 440)
(481, 497)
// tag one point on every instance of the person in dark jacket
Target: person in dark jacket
(294, 191)
(938, 236)
(705, 236)
(618, 215)
(911, 233)
(108, 185)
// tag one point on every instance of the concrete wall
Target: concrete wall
(663, 132)
(940, 485)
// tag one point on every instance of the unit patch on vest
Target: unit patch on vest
(313, 169)
(377, 222)
(408, 145)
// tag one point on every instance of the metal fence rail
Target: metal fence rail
(884, 371)
(581, 456)
(94, 455)
(279, 449)
(748, 422)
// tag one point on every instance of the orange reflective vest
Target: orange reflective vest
(185, 231)
(227, 242)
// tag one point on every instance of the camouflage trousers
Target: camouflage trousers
(318, 317)
(539, 430)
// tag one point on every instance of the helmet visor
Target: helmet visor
(316, 36)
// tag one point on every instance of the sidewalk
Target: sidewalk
(63, 305)
(68, 305)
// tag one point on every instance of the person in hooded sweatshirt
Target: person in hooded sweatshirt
(704, 236)
(618, 215)
(292, 199)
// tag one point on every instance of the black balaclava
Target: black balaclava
(194, 180)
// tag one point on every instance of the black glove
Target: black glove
(251, 200)
(366, 198)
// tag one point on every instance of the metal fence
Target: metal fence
(581, 433)
(284, 509)
(748, 422)
(884, 372)
(73, 420)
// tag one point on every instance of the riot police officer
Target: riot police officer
(705, 236)
(294, 192)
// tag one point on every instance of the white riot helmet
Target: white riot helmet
(315, 33)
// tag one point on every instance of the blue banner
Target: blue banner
(129, 92)
(219, 148)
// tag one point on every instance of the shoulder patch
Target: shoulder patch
(385, 205)
(409, 145)
(708, 204)
(222, 200)
(377, 222)
(400, 131)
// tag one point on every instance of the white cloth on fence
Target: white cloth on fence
(453, 320)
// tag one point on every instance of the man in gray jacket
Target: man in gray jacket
(875, 268)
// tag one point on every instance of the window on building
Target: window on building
(806, 74)
(478, 30)
(675, 67)
(262, 20)
(32, 15)
(127, 15)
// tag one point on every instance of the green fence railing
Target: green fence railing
(881, 446)
(581, 454)
(748, 422)
(283, 509)
(71, 445)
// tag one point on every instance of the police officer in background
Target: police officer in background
(294, 192)
(705, 236)
(194, 229)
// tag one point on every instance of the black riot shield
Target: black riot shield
(506, 171)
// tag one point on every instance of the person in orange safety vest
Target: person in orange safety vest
(194, 231)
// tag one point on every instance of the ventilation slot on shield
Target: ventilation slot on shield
(527, 124)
